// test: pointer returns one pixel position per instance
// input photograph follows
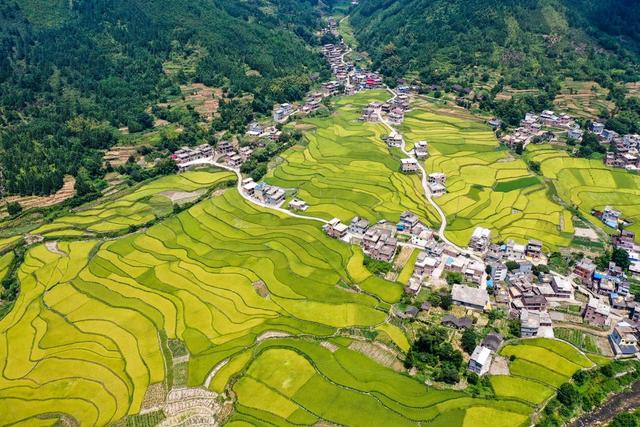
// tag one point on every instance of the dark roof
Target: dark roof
(493, 340)
(426, 306)
(460, 323)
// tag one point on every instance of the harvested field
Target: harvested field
(583, 99)
(27, 202)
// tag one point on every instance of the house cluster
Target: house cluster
(185, 156)
(189, 157)
(395, 108)
(263, 193)
(262, 132)
(282, 112)
(627, 151)
(534, 127)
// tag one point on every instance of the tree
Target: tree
(14, 208)
(469, 340)
(446, 301)
(512, 265)
(454, 277)
(625, 419)
(621, 258)
(568, 395)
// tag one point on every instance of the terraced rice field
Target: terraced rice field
(347, 170)
(539, 368)
(583, 99)
(485, 186)
(258, 300)
(141, 205)
(589, 184)
(301, 382)
(84, 336)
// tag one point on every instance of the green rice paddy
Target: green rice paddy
(485, 186)
(140, 206)
(347, 170)
(589, 184)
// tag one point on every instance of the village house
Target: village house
(436, 182)
(457, 322)
(562, 287)
(480, 361)
(425, 265)
(408, 220)
(413, 286)
(245, 153)
(532, 321)
(358, 226)
(575, 134)
(282, 112)
(255, 129)
(475, 271)
(534, 302)
(596, 312)
(396, 116)
(624, 339)
(380, 244)
(480, 239)
(269, 194)
(298, 205)
(234, 160)
(534, 249)
(409, 165)
(336, 229)
(421, 150)
(394, 140)
(597, 128)
(473, 298)
(515, 251)
(493, 341)
(225, 148)
(585, 270)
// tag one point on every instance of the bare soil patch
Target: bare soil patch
(119, 155)
(379, 353)
(27, 202)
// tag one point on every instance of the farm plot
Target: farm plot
(583, 99)
(485, 187)
(140, 206)
(580, 339)
(538, 367)
(347, 170)
(589, 184)
(84, 335)
(301, 382)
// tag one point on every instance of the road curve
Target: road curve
(425, 186)
(251, 199)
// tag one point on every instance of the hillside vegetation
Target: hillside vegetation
(71, 72)
(526, 42)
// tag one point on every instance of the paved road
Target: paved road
(211, 162)
(425, 186)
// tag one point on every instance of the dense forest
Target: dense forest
(489, 45)
(73, 72)
(524, 41)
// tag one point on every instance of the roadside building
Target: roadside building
(480, 239)
(409, 165)
(336, 229)
(425, 265)
(298, 205)
(624, 339)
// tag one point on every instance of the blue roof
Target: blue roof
(490, 283)
(598, 275)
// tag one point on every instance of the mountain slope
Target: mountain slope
(102, 61)
(523, 41)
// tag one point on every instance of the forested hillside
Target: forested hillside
(526, 42)
(72, 72)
